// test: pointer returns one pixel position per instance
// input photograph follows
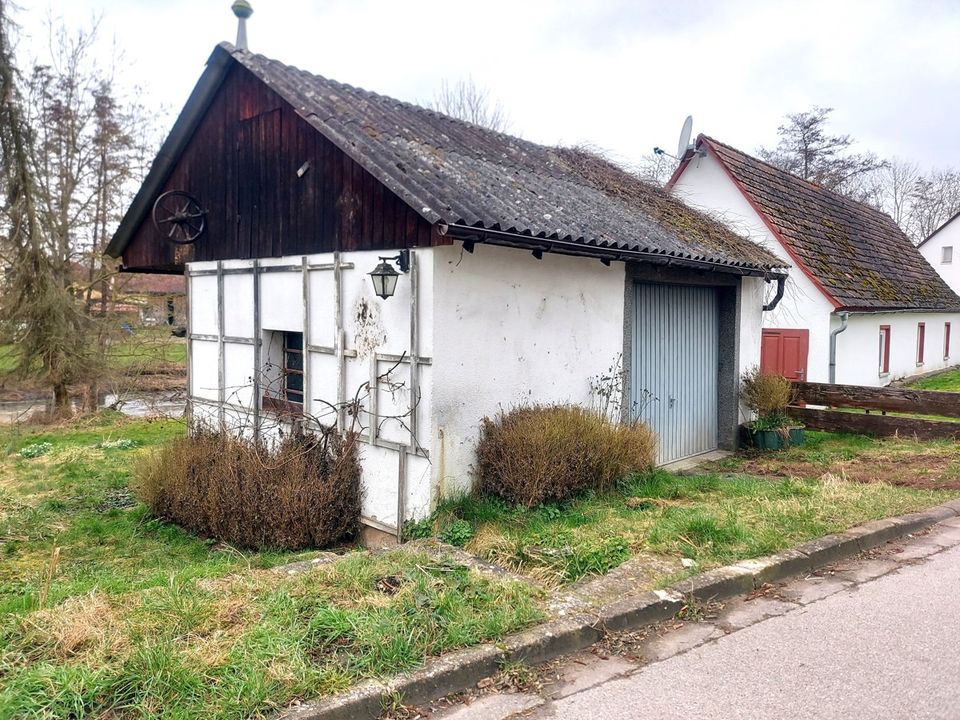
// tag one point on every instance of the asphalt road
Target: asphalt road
(886, 648)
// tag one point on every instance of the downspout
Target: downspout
(833, 346)
(781, 285)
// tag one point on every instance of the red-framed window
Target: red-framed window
(921, 339)
(884, 349)
(946, 341)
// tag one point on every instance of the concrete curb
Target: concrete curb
(463, 669)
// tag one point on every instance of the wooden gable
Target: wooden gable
(272, 185)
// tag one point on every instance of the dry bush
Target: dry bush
(766, 393)
(533, 455)
(297, 494)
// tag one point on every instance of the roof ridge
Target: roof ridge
(459, 175)
(380, 96)
(812, 185)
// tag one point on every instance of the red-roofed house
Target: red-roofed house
(162, 298)
(859, 293)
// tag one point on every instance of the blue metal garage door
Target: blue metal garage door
(675, 367)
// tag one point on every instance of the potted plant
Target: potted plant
(768, 395)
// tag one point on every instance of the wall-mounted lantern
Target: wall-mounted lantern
(384, 275)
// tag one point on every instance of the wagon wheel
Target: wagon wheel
(178, 217)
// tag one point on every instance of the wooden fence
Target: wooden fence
(876, 402)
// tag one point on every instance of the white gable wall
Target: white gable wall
(706, 186)
(932, 250)
(752, 293)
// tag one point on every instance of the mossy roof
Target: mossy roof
(856, 253)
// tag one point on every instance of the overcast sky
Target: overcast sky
(619, 75)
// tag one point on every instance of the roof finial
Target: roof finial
(242, 9)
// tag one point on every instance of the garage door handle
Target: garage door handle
(672, 402)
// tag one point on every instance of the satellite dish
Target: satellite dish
(684, 143)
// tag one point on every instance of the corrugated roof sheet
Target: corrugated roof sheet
(457, 173)
(857, 253)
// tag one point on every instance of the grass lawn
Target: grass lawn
(948, 381)
(730, 512)
(107, 612)
(146, 348)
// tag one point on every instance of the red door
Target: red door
(785, 352)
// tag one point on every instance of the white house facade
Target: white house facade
(942, 251)
(854, 277)
(466, 335)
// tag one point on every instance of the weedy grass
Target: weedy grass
(902, 461)
(249, 644)
(76, 497)
(948, 381)
(715, 518)
(106, 611)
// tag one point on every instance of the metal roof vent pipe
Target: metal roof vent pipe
(833, 346)
(242, 9)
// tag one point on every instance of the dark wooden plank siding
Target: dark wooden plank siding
(882, 425)
(242, 165)
(893, 399)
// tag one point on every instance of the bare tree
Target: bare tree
(936, 199)
(66, 153)
(656, 168)
(465, 100)
(918, 202)
(808, 150)
(892, 189)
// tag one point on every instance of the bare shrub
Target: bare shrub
(303, 492)
(533, 455)
(767, 394)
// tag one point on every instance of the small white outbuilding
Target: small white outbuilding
(519, 274)
(861, 305)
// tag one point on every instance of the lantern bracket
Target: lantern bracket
(402, 259)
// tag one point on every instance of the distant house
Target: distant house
(133, 298)
(856, 281)
(942, 251)
(162, 299)
(520, 274)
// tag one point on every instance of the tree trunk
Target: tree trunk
(91, 396)
(61, 400)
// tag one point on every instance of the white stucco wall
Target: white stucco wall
(705, 185)
(752, 293)
(512, 329)
(861, 340)
(932, 250)
(497, 328)
(372, 327)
